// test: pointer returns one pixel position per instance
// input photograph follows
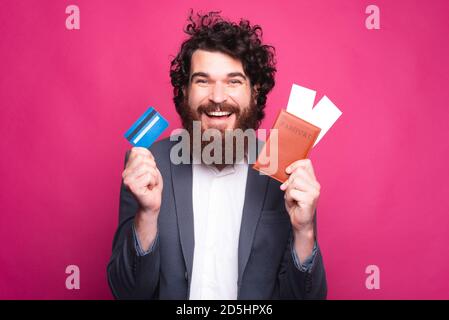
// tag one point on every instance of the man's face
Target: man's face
(219, 92)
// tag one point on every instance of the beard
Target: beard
(245, 118)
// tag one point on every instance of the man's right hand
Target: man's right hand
(142, 177)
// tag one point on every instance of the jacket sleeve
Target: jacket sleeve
(295, 283)
(130, 274)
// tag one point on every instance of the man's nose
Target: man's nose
(218, 93)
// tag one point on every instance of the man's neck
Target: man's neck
(220, 166)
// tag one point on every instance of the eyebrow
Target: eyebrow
(206, 75)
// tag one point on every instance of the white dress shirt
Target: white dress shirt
(218, 198)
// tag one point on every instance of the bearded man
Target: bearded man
(216, 229)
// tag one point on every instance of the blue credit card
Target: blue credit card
(146, 129)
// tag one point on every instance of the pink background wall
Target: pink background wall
(66, 98)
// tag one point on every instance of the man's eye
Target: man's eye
(235, 81)
(201, 81)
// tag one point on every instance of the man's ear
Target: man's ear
(255, 92)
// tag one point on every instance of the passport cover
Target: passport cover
(296, 138)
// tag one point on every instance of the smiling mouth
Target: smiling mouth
(218, 114)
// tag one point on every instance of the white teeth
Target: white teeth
(218, 113)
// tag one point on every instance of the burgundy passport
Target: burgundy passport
(295, 139)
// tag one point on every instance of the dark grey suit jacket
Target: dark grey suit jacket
(266, 269)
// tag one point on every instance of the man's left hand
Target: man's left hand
(302, 191)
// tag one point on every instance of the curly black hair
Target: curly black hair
(241, 41)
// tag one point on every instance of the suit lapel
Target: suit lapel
(182, 192)
(256, 188)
